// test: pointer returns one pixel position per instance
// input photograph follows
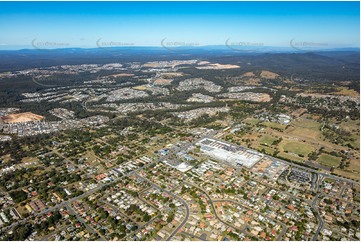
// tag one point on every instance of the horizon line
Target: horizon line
(234, 47)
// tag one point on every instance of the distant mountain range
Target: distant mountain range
(333, 64)
(231, 48)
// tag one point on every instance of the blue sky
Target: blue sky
(88, 24)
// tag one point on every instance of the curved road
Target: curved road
(320, 224)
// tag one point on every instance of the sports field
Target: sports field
(298, 148)
(266, 140)
(329, 160)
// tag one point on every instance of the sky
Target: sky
(109, 24)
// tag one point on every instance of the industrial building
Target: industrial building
(233, 154)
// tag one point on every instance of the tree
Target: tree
(18, 196)
(146, 217)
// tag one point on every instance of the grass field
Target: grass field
(298, 148)
(268, 150)
(290, 157)
(348, 174)
(329, 160)
(251, 121)
(266, 140)
(305, 128)
(354, 167)
(306, 123)
(274, 125)
(347, 92)
(353, 126)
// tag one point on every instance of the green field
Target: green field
(298, 148)
(353, 126)
(266, 140)
(329, 160)
(251, 121)
(290, 157)
(273, 125)
(307, 123)
(305, 128)
(267, 149)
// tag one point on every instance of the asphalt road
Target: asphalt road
(320, 223)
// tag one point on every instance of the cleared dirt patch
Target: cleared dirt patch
(253, 82)
(248, 74)
(217, 66)
(121, 74)
(21, 118)
(140, 88)
(269, 75)
(163, 81)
